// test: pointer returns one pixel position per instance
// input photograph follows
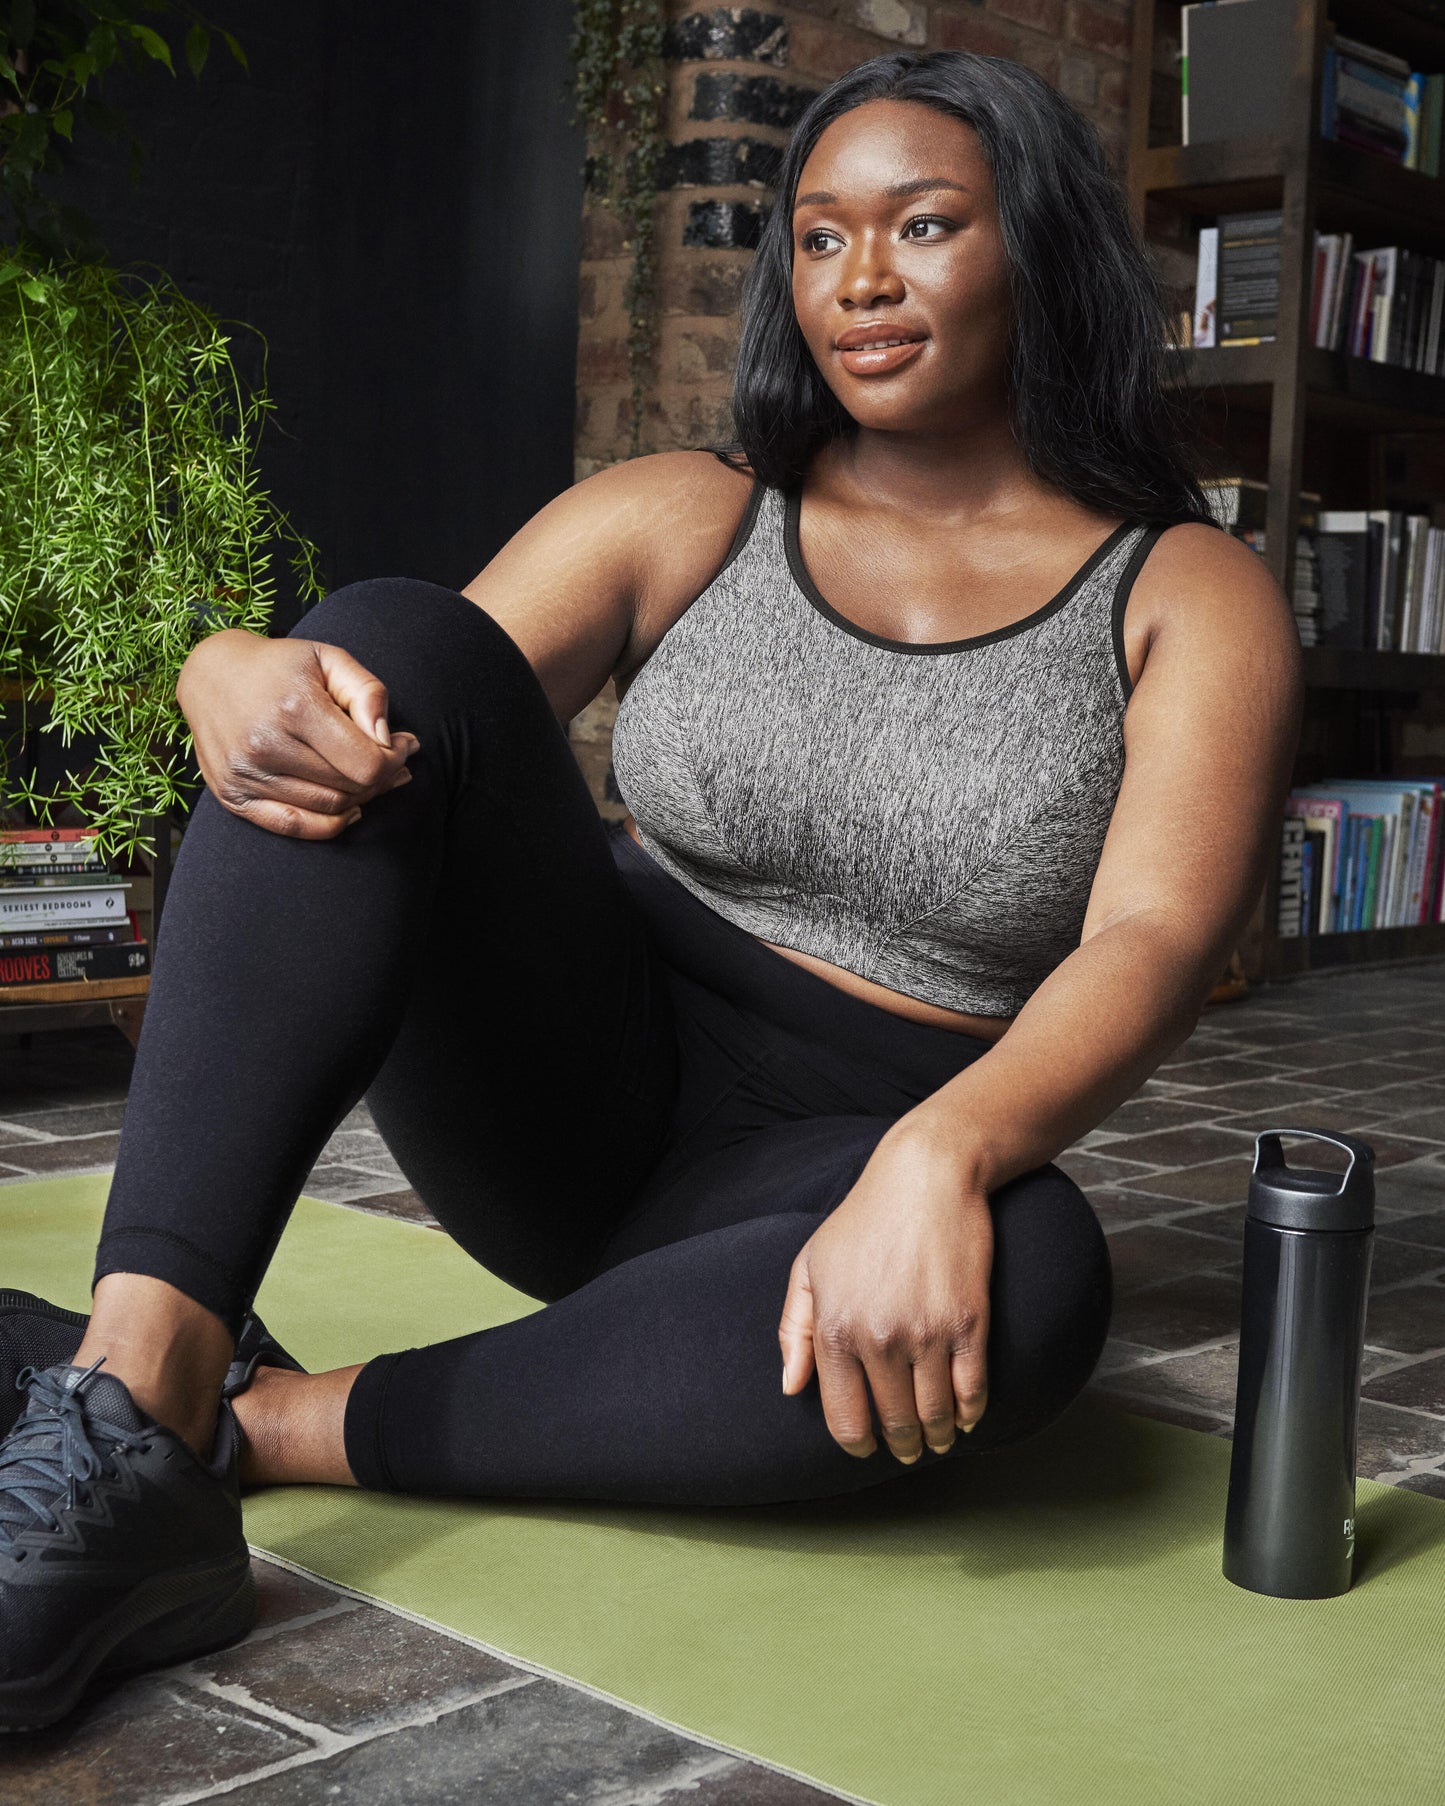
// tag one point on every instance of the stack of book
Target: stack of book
(63, 915)
(1376, 102)
(1363, 853)
(1238, 505)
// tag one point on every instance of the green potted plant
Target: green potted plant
(132, 522)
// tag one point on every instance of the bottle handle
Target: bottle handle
(1269, 1154)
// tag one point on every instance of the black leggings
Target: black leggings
(609, 1095)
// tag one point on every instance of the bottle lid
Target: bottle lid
(1292, 1197)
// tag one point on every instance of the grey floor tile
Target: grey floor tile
(1419, 1387)
(357, 1671)
(141, 1742)
(1186, 1146)
(1089, 1169)
(404, 1204)
(1388, 1440)
(78, 1119)
(80, 1153)
(1202, 1382)
(1143, 1116)
(1212, 1073)
(339, 1184)
(1432, 1483)
(1181, 1313)
(1145, 1253)
(1215, 1182)
(1410, 1318)
(538, 1744)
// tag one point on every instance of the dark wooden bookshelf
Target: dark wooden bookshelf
(1287, 411)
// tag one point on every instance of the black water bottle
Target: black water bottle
(1308, 1236)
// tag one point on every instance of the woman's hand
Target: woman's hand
(891, 1293)
(290, 734)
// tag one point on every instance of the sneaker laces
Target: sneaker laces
(35, 1463)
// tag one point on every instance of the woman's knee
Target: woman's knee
(431, 647)
(1051, 1298)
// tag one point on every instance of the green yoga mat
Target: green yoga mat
(1044, 1626)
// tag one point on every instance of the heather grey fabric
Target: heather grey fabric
(930, 817)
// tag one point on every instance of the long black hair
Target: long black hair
(1088, 404)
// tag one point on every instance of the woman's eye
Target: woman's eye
(809, 240)
(922, 220)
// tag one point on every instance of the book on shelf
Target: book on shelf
(1362, 853)
(66, 965)
(1248, 261)
(1204, 324)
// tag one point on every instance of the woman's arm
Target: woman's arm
(1209, 736)
(895, 1283)
(291, 734)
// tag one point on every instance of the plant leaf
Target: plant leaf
(35, 290)
(198, 45)
(152, 43)
(236, 51)
(62, 122)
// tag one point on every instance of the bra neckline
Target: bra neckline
(802, 577)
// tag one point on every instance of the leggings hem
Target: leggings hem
(165, 1255)
(361, 1426)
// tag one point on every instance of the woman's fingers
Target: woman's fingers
(890, 1375)
(294, 823)
(360, 692)
(933, 1398)
(968, 1367)
(844, 1393)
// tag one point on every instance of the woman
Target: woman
(954, 737)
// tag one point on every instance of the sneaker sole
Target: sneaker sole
(156, 1626)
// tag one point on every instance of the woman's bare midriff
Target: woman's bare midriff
(986, 1028)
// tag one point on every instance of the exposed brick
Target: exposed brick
(904, 21)
(737, 33)
(1114, 90)
(970, 31)
(758, 99)
(1078, 80)
(828, 51)
(602, 234)
(1098, 28)
(697, 355)
(716, 225)
(698, 285)
(720, 163)
(1038, 15)
(601, 360)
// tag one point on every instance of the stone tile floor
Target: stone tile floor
(334, 1697)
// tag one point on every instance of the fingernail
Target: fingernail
(402, 777)
(969, 1428)
(908, 1460)
(381, 731)
(355, 815)
(785, 1376)
(940, 1448)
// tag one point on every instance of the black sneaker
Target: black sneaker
(119, 1549)
(35, 1333)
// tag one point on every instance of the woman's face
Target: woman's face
(896, 236)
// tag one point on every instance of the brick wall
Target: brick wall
(738, 78)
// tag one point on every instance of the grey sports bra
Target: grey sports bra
(928, 816)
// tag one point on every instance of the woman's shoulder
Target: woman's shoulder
(1211, 596)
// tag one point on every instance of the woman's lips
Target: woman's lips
(882, 360)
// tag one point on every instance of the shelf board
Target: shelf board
(73, 990)
(1284, 956)
(1352, 391)
(1344, 668)
(1376, 199)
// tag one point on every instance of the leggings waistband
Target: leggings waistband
(704, 946)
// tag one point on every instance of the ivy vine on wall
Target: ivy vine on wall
(621, 90)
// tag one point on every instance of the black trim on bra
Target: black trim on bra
(1125, 585)
(745, 527)
(792, 513)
